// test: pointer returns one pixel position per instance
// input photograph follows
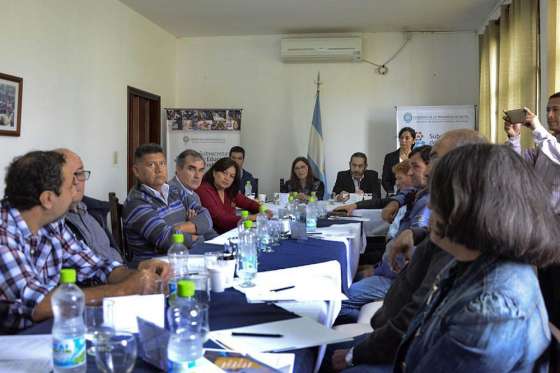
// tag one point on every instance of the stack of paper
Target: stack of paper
(284, 335)
(315, 282)
(26, 353)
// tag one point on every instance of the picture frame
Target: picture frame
(11, 88)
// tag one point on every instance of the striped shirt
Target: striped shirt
(149, 220)
(30, 264)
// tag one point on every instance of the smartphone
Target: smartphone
(516, 116)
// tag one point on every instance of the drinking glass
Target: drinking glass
(247, 270)
(98, 322)
(275, 229)
(202, 287)
(116, 354)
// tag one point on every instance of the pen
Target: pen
(284, 288)
(243, 334)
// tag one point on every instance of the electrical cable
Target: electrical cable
(383, 69)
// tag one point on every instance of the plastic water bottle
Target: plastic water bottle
(178, 256)
(68, 332)
(312, 212)
(240, 224)
(187, 334)
(247, 269)
(263, 233)
(248, 189)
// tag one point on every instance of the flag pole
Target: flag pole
(318, 82)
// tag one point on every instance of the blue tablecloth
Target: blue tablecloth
(293, 253)
(227, 310)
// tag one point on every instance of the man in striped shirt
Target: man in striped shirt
(35, 244)
(154, 210)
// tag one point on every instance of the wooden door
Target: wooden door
(144, 124)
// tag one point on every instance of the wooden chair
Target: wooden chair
(117, 226)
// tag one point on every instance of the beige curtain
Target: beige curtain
(518, 62)
(553, 47)
(488, 45)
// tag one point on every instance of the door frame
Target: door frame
(154, 121)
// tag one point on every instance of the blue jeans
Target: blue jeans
(369, 289)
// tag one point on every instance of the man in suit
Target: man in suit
(358, 179)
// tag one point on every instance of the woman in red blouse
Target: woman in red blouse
(219, 193)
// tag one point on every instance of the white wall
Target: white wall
(76, 58)
(357, 105)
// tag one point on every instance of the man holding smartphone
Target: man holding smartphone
(545, 156)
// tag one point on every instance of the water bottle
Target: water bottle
(240, 223)
(68, 332)
(178, 256)
(247, 268)
(187, 334)
(263, 233)
(248, 189)
(312, 212)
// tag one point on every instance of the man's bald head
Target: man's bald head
(75, 162)
(455, 138)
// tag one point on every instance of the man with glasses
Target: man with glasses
(154, 210)
(80, 221)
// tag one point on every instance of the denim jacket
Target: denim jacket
(490, 318)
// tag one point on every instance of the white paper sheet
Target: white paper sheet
(223, 238)
(26, 353)
(296, 333)
(315, 282)
(126, 309)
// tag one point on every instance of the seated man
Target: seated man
(237, 154)
(417, 215)
(35, 244)
(407, 293)
(358, 179)
(153, 210)
(403, 181)
(189, 170)
(81, 222)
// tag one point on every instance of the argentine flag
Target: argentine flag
(315, 149)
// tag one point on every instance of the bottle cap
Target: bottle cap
(67, 276)
(248, 182)
(313, 194)
(244, 213)
(262, 208)
(248, 224)
(178, 238)
(290, 198)
(312, 199)
(185, 288)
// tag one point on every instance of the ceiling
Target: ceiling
(253, 17)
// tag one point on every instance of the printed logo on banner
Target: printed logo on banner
(419, 139)
(407, 117)
(186, 139)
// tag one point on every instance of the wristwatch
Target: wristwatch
(349, 357)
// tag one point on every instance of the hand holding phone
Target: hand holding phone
(515, 116)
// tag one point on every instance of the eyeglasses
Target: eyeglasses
(82, 175)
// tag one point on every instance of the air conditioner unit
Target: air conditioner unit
(341, 49)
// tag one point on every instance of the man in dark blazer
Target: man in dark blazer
(358, 179)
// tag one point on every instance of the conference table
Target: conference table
(230, 308)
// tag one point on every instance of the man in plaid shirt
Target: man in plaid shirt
(35, 244)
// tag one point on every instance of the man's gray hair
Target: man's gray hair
(180, 161)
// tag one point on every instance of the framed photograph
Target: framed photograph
(10, 104)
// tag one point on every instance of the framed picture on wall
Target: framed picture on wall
(10, 104)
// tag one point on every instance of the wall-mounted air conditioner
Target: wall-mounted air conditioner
(340, 49)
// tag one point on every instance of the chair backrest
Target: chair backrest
(282, 186)
(117, 226)
(256, 191)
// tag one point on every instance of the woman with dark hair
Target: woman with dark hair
(407, 139)
(303, 181)
(485, 312)
(219, 193)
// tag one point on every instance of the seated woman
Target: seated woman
(303, 181)
(219, 193)
(485, 312)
